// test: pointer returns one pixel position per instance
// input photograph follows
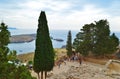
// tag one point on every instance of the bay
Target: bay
(30, 46)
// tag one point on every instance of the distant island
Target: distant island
(12, 28)
(27, 38)
(60, 40)
(22, 38)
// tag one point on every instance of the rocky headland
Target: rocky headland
(22, 38)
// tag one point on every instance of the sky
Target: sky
(61, 14)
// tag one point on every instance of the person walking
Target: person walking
(80, 60)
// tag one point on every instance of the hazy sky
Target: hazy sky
(61, 14)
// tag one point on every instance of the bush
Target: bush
(10, 71)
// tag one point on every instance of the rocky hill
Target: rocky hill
(22, 38)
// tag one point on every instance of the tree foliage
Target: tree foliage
(4, 35)
(4, 40)
(12, 55)
(102, 35)
(69, 44)
(9, 70)
(84, 40)
(114, 42)
(96, 38)
(44, 53)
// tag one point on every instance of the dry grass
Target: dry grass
(60, 52)
(115, 66)
(29, 56)
(97, 61)
(26, 57)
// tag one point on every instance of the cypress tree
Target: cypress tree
(44, 54)
(69, 44)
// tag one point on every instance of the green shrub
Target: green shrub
(10, 71)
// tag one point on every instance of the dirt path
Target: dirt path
(72, 70)
(57, 70)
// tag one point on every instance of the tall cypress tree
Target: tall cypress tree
(44, 54)
(69, 44)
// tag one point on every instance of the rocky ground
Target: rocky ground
(72, 70)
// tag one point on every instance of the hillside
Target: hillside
(26, 57)
(91, 68)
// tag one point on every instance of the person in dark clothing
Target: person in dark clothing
(80, 60)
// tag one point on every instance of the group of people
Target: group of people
(75, 57)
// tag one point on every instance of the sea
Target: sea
(27, 47)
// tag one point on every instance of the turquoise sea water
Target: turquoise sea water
(30, 47)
